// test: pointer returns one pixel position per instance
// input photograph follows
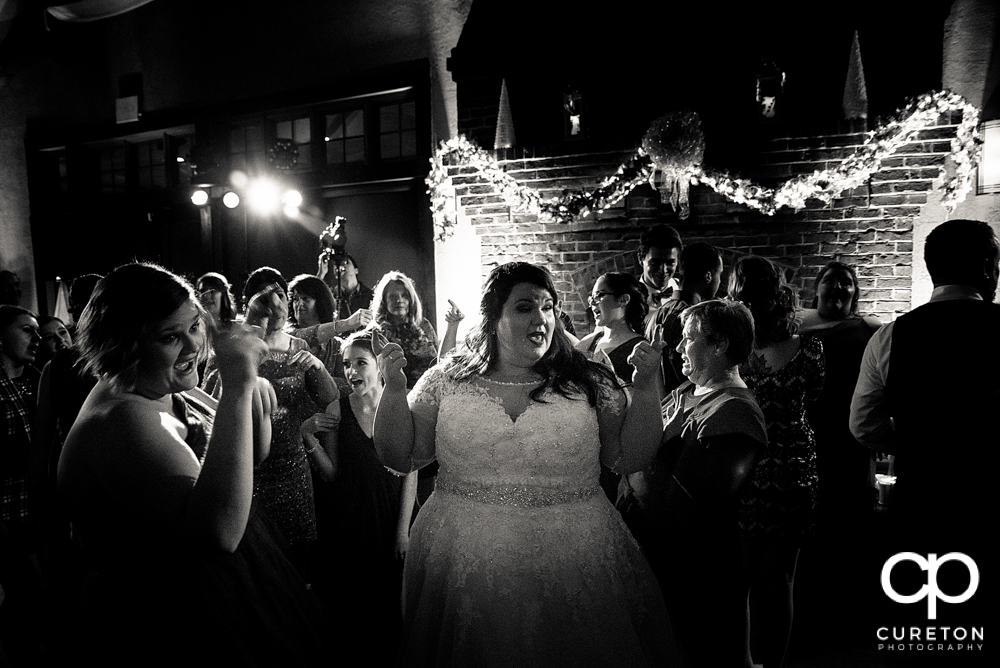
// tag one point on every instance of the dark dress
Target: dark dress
(846, 495)
(781, 501)
(151, 603)
(283, 481)
(685, 518)
(619, 361)
(360, 579)
(619, 356)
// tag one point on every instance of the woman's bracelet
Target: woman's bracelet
(310, 450)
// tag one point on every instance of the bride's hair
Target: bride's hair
(565, 370)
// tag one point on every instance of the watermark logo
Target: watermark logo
(930, 590)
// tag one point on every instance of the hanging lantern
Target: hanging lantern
(573, 125)
(770, 90)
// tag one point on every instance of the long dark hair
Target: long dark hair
(637, 307)
(313, 287)
(565, 370)
(756, 282)
(216, 281)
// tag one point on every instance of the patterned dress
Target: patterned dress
(283, 481)
(518, 558)
(781, 501)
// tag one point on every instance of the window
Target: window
(246, 148)
(152, 165)
(345, 137)
(398, 130)
(300, 132)
(989, 160)
(113, 167)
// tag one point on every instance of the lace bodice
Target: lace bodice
(550, 449)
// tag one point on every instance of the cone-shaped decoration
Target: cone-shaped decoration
(505, 124)
(855, 93)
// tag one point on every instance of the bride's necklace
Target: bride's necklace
(520, 379)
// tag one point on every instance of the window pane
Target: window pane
(334, 152)
(156, 152)
(334, 126)
(409, 116)
(144, 179)
(390, 146)
(283, 130)
(355, 123)
(305, 158)
(409, 142)
(159, 177)
(354, 150)
(142, 152)
(389, 118)
(301, 132)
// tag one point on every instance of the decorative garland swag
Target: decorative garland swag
(670, 160)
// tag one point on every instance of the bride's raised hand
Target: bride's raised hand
(391, 361)
(645, 358)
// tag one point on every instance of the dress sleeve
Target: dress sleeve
(815, 367)
(424, 400)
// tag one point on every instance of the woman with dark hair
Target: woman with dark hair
(777, 515)
(20, 622)
(159, 486)
(365, 504)
(399, 315)
(55, 338)
(685, 505)
(619, 305)
(304, 387)
(311, 319)
(845, 468)
(216, 296)
(518, 558)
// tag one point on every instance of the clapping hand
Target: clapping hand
(305, 360)
(319, 422)
(238, 350)
(391, 361)
(359, 319)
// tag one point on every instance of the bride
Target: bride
(518, 558)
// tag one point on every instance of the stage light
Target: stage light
(231, 199)
(292, 198)
(199, 197)
(264, 196)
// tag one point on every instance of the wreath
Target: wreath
(283, 154)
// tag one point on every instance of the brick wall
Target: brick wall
(870, 227)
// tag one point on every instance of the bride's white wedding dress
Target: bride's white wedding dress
(518, 558)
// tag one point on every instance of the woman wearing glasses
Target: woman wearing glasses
(619, 305)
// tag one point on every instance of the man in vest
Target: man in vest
(928, 394)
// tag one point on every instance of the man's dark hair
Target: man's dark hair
(957, 251)
(659, 236)
(698, 258)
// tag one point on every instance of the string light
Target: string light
(823, 185)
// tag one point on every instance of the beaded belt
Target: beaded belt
(516, 495)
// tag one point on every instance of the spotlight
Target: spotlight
(292, 198)
(263, 195)
(199, 198)
(231, 199)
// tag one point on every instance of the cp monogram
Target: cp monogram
(930, 590)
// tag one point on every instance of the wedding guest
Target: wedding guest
(283, 481)
(777, 514)
(399, 316)
(518, 558)
(928, 393)
(618, 302)
(351, 296)
(20, 614)
(55, 337)
(159, 485)
(701, 275)
(216, 296)
(362, 504)
(659, 252)
(684, 508)
(311, 318)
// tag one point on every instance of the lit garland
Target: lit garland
(821, 185)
